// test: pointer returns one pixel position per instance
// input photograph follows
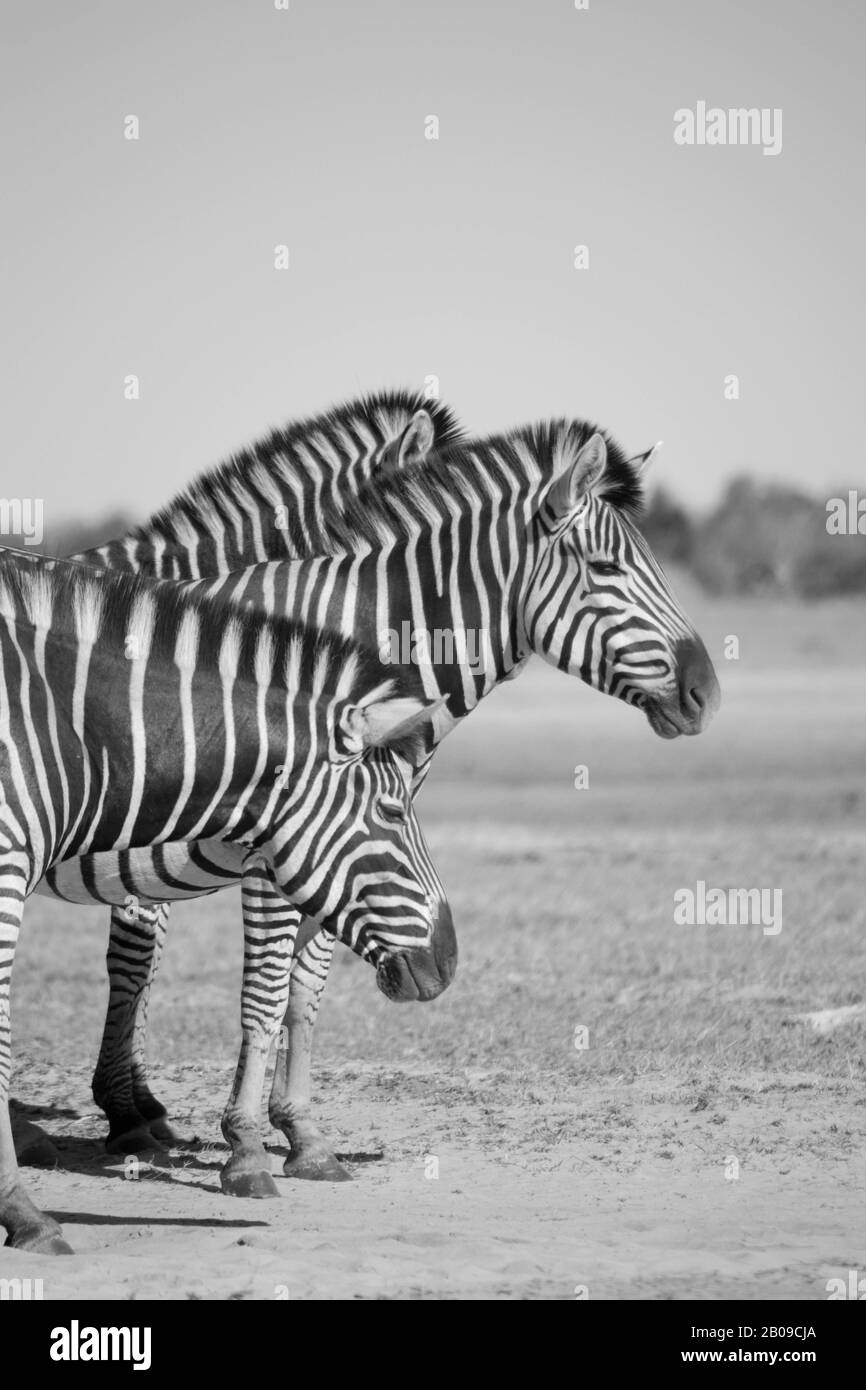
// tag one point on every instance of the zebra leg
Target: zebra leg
(290, 1107)
(32, 1145)
(270, 927)
(146, 1103)
(136, 1120)
(27, 1228)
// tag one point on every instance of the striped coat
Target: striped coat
(525, 543)
(133, 714)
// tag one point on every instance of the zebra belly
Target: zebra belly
(161, 873)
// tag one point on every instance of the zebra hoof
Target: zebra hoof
(41, 1242)
(33, 1147)
(134, 1141)
(312, 1167)
(40, 1154)
(166, 1135)
(255, 1184)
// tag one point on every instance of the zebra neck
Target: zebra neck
(447, 608)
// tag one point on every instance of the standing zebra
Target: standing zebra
(134, 714)
(528, 538)
(266, 502)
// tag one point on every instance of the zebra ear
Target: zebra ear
(578, 479)
(641, 462)
(391, 721)
(384, 722)
(416, 440)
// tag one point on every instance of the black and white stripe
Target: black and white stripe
(529, 536)
(134, 714)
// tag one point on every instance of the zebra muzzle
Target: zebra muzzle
(412, 977)
(694, 700)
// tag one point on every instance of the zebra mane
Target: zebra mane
(395, 501)
(285, 454)
(190, 628)
(621, 486)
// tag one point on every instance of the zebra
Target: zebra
(261, 503)
(529, 536)
(133, 714)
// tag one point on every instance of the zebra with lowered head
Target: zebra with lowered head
(135, 714)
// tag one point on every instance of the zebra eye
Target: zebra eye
(392, 809)
(605, 567)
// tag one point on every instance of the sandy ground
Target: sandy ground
(707, 1143)
(620, 1193)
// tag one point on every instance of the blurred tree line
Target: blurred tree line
(761, 538)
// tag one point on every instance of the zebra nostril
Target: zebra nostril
(696, 679)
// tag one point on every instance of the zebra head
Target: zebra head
(356, 859)
(598, 604)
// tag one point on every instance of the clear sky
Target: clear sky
(410, 256)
